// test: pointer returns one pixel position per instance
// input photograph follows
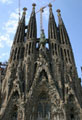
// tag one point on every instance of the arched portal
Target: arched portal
(43, 107)
(14, 113)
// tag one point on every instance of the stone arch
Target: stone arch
(14, 57)
(18, 53)
(71, 98)
(37, 45)
(22, 52)
(15, 94)
(35, 67)
(73, 110)
(43, 107)
(43, 75)
(14, 113)
(49, 76)
(50, 88)
(47, 46)
(39, 104)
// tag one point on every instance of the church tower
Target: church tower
(41, 83)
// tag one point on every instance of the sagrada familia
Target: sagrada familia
(41, 80)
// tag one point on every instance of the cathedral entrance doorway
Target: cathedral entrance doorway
(43, 107)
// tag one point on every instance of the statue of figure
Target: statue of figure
(42, 48)
(42, 38)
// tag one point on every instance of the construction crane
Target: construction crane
(19, 9)
(41, 17)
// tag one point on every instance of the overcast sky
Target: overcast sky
(71, 11)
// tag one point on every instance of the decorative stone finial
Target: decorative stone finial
(59, 12)
(33, 5)
(50, 6)
(59, 16)
(24, 10)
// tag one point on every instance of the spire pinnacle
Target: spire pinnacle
(59, 12)
(33, 6)
(59, 16)
(50, 6)
(32, 31)
(52, 28)
(24, 10)
(19, 11)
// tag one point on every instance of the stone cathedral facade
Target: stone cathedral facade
(41, 81)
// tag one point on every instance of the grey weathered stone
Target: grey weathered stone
(41, 83)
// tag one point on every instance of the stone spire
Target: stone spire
(59, 17)
(64, 38)
(17, 50)
(32, 30)
(30, 53)
(52, 35)
(52, 28)
(20, 29)
(66, 49)
(14, 82)
(67, 58)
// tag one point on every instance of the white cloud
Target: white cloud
(1, 45)
(4, 55)
(5, 38)
(9, 30)
(11, 25)
(14, 15)
(6, 1)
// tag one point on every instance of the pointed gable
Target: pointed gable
(52, 27)
(32, 29)
(17, 51)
